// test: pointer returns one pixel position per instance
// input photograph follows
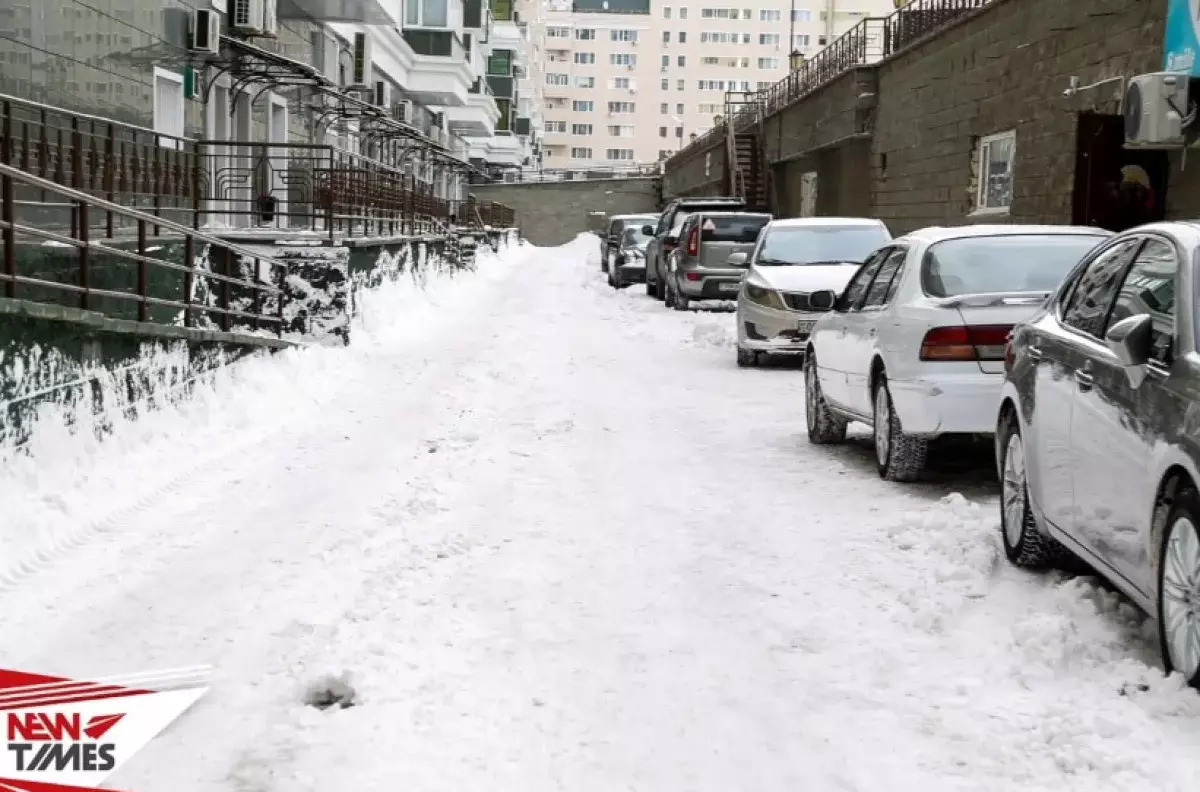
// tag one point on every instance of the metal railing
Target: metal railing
(489, 214)
(868, 42)
(241, 299)
(571, 174)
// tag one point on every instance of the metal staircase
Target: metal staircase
(746, 172)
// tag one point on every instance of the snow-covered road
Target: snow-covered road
(559, 541)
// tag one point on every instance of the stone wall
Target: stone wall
(701, 172)
(554, 213)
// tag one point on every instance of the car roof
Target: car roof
(801, 222)
(614, 218)
(942, 233)
(729, 213)
(715, 201)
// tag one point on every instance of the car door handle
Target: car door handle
(1084, 380)
(1035, 353)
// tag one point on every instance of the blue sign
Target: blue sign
(1181, 44)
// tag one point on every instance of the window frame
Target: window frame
(981, 172)
(841, 305)
(1065, 300)
(889, 293)
(1176, 334)
(168, 138)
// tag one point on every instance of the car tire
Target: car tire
(1179, 565)
(650, 290)
(898, 457)
(669, 297)
(1024, 545)
(680, 300)
(825, 427)
(746, 358)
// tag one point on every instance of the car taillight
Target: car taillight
(965, 342)
(693, 241)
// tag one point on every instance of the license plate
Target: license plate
(804, 327)
(728, 288)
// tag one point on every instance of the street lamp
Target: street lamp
(795, 60)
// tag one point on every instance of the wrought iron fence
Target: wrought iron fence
(867, 42)
(569, 174)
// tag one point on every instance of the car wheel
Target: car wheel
(825, 427)
(680, 300)
(650, 289)
(1179, 588)
(604, 262)
(1024, 544)
(899, 457)
(746, 358)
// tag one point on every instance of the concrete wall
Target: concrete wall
(553, 213)
(701, 172)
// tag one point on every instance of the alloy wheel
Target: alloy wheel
(1012, 490)
(1181, 597)
(883, 426)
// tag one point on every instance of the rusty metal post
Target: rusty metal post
(143, 273)
(85, 258)
(7, 209)
(226, 288)
(189, 278)
(110, 178)
(257, 291)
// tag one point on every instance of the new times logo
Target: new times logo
(60, 742)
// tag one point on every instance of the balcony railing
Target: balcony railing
(502, 87)
(866, 43)
(435, 43)
(489, 213)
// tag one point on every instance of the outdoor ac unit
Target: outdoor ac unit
(361, 73)
(205, 31)
(1155, 106)
(253, 17)
(402, 111)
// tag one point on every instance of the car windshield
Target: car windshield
(1009, 263)
(732, 228)
(840, 244)
(633, 237)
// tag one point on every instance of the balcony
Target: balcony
(480, 115)
(441, 73)
(359, 12)
(502, 86)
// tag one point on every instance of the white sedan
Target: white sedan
(791, 260)
(914, 346)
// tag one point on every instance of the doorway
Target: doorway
(1115, 188)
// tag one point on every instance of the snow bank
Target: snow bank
(76, 457)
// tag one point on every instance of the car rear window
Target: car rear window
(1013, 262)
(731, 228)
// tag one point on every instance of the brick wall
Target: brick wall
(701, 172)
(552, 213)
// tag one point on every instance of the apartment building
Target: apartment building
(403, 85)
(628, 82)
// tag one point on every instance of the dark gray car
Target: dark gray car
(610, 239)
(628, 258)
(699, 267)
(665, 235)
(1098, 433)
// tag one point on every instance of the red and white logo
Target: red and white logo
(64, 735)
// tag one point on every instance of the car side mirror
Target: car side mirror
(648, 230)
(737, 259)
(823, 300)
(1132, 341)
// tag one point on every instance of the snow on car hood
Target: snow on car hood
(805, 278)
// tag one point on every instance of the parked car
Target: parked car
(610, 240)
(1096, 436)
(699, 268)
(914, 345)
(792, 259)
(665, 235)
(629, 258)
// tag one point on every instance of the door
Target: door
(864, 326)
(830, 338)
(1112, 429)
(1062, 350)
(1115, 187)
(278, 133)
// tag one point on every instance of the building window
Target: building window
(621, 83)
(681, 61)
(555, 126)
(558, 32)
(768, 63)
(662, 131)
(666, 37)
(679, 132)
(168, 107)
(581, 129)
(619, 155)
(802, 41)
(745, 38)
(679, 109)
(585, 82)
(582, 106)
(769, 39)
(821, 41)
(499, 63)
(801, 15)
(994, 172)
(427, 13)
(581, 153)
(664, 108)
(622, 59)
(683, 12)
(718, 38)
(666, 12)
(763, 85)
(585, 58)
(769, 15)
(710, 109)
(557, 79)
(585, 34)
(665, 84)
(679, 85)
(683, 37)
(622, 107)
(666, 61)
(620, 130)
(623, 35)
(722, 13)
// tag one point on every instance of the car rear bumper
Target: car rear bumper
(953, 404)
(710, 284)
(634, 273)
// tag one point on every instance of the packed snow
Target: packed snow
(527, 533)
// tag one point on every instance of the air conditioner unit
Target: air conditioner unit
(1155, 106)
(205, 31)
(361, 69)
(402, 111)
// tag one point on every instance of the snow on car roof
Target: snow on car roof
(800, 222)
(941, 233)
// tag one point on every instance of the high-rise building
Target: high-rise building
(628, 82)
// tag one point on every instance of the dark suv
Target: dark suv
(665, 236)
